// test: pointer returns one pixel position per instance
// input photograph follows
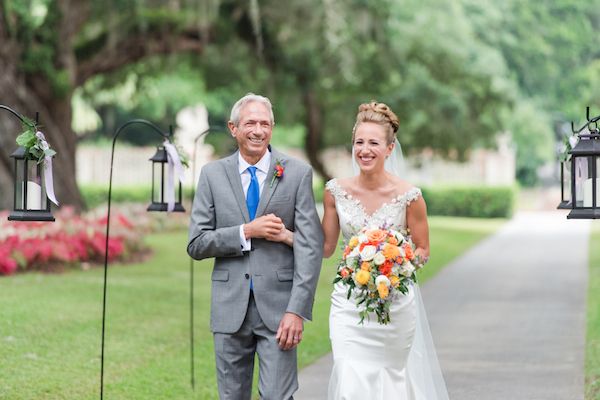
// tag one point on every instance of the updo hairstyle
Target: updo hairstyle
(380, 114)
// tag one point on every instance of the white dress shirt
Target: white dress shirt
(262, 170)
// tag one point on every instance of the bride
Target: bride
(374, 361)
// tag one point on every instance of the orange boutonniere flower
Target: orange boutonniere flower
(278, 172)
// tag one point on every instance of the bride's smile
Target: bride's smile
(371, 147)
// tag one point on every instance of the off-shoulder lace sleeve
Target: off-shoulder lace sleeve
(411, 195)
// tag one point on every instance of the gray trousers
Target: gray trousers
(234, 355)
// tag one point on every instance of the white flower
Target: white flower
(362, 238)
(379, 258)
(368, 252)
(354, 253)
(573, 140)
(382, 279)
(407, 269)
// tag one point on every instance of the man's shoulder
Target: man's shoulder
(293, 163)
(216, 165)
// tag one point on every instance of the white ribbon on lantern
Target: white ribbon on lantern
(48, 177)
(175, 168)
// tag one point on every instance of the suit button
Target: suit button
(247, 276)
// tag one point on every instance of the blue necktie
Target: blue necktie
(253, 195)
(252, 198)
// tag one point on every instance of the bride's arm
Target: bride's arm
(416, 220)
(331, 225)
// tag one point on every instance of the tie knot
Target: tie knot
(252, 170)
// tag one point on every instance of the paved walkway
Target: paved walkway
(507, 317)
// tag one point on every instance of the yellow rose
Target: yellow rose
(353, 242)
(383, 290)
(394, 280)
(362, 277)
(365, 266)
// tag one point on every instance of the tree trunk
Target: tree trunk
(314, 127)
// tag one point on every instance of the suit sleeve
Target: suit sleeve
(205, 239)
(308, 250)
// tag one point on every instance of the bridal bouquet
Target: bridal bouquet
(377, 265)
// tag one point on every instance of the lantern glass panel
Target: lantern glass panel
(36, 194)
(157, 184)
(583, 181)
(566, 181)
(19, 179)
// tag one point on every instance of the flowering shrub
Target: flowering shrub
(72, 239)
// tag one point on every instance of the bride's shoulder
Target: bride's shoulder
(406, 190)
(336, 186)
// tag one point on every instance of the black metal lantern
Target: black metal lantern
(565, 185)
(159, 201)
(30, 200)
(585, 188)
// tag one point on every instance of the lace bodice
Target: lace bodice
(353, 215)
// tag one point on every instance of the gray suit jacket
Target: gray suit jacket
(284, 278)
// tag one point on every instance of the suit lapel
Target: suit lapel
(269, 189)
(233, 174)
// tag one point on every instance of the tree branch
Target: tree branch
(136, 47)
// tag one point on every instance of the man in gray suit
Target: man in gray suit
(254, 212)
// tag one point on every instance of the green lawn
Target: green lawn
(592, 354)
(50, 323)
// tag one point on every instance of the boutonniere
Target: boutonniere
(277, 172)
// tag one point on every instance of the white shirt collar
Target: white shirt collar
(262, 165)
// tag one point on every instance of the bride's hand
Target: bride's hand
(284, 236)
(421, 256)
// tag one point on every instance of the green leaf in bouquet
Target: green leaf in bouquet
(337, 279)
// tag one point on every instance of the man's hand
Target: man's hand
(289, 333)
(263, 226)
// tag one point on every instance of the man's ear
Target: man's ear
(232, 128)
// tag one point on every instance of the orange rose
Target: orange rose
(383, 290)
(390, 251)
(376, 235)
(392, 240)
(344, 272)
(408, 252)
(365, 266)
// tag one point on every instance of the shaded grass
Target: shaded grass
(50, 324)
(592, 351)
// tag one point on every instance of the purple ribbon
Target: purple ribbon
(175, 168)
(48, 177)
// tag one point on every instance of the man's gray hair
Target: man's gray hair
(248, 98)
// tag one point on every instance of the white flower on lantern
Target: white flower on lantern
(368, 252)
(379, 258)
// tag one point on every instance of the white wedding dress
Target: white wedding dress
(374, 361)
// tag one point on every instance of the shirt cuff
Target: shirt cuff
(245, 243)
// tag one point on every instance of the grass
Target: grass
(50, 323)
(592, 352)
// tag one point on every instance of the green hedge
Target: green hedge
(96, 195)
(467, 201)
(480, 202)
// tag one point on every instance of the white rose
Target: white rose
(368, 252)
(407, 269)
(379, 258)
(362, 238)
(354, 253)
(382, 279)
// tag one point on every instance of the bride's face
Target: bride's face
(371, 147)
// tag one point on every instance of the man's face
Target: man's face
(253, 132)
